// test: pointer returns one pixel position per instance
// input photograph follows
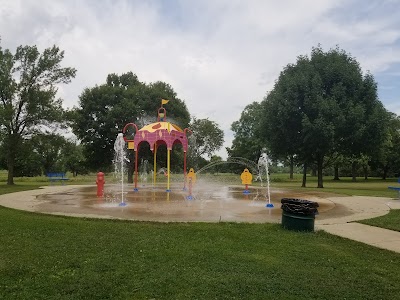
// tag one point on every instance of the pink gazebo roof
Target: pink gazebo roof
(160, 133)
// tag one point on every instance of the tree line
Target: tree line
(32, 120)
(322, 114)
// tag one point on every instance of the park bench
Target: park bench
(396, 188)
(54, 177)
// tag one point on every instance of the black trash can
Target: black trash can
(298, 214)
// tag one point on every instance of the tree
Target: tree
(28, 88)
(366, 128)
(45, 153)
(48, 148)
(104, 110)
(388, 158)
(282, 121)
(27, 160)
(209, 137)
(215, 159)
(73, 159)
(321, 106)
(247, 141)
(336, 165)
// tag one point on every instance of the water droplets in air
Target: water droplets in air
(120, 159)
(144, 171)
(262, 164)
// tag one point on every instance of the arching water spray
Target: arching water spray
(251, 165)
(263, 163)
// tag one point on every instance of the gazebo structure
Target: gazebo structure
(156, 134)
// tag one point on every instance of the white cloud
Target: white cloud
(219, 56)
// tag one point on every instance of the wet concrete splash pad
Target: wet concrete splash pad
(214, 204)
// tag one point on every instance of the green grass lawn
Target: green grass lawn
(50, 257)
(390, 221)
(371, 187)
(5, 189)
(30, 183)
(43, 180)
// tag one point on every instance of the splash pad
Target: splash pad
(218, 203)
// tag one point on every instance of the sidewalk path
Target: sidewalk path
(27, 200)
(374, 236)
(363, 208)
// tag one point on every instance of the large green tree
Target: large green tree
(28, 87)
(27, 160)
(72, 158)
(104, 110)
(248, 142)
(45, 153)
(48, 148)
(282, 121)
(323, 106)
(207, 138)
(388, 158)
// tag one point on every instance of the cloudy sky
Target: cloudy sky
(218, 55)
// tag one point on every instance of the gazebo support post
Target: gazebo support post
(136, 167)
(155, 165)
(168, 169)
(184, 170)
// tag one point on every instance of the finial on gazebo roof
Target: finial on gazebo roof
(162, 113)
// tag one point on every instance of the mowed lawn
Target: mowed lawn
(390, 221)
(51, 257)
(373, 186)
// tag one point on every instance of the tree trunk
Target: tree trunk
(313, 171)
(385, 172)
(353, 170)
(320, 176)
(10, 167)
(365, 168)
(291, 167)
(12, 148)
(304, 175)
(336, 172)
(12, 142)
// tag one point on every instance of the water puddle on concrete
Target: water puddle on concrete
(210, 203)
